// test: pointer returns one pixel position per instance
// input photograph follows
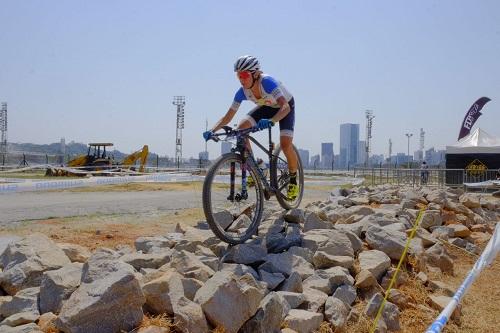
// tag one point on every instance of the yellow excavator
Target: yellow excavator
(142, 155)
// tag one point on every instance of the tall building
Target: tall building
(327, 155)
(225, 147)
(349, 137)
(304, 157)
(315, 162)
(361, 152)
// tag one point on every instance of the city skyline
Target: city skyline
(415, 65)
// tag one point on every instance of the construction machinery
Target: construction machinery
(130, 160)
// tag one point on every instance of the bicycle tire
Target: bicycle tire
(275, 179)
(231, 237)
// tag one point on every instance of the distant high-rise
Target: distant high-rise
(361, 152)
(315, 162)
(225, 147)
(327, 155)
(349, 137)
(304, 157)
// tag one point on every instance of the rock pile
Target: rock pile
(305, 267)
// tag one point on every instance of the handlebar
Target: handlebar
(230, 132)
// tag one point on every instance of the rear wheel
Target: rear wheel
(232, 214)
(280, 178)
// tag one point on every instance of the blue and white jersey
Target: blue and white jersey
(271, 89)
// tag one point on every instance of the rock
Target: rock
(27, 328)
(390, 314)
(153, 243)
(302, 252)
(438, 285)
(442, 232)
(469, 201)
(333, 242)
(228, 300)
(303, 321)
(322, 259)
(314, 222)
(292, 284)
(336, 312)
(188, 316)
(437, 256)
(46, 322)
(287, 263)
(25, 300)
(479, 238)
(20, 319)
(401, 279)
(58, 285)
(459, 230)
(398, 298)
(148, 260)
(390, 242)
(160, 293)
(25, 261)
(109, 298)
(374, 261)
(268, 317)
(247, 253)
(422, 277)
(271, 279)
(240, 270)
(294, 216)
(440, 302)
(431, 218)
(345, 293)
(314, 300)
(365, 279)
(74, 252)
(190, 266)
(191, 286)
(293, 299)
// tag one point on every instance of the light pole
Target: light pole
(409, 135)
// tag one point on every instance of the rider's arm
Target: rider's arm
(238, 98)
(284, 109)
(224, 120)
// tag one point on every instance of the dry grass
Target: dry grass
(161, 320)
(325, 327)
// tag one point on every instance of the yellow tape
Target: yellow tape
(394, 277)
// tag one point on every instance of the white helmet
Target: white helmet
(247, 63)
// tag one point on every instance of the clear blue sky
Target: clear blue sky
(108, 70)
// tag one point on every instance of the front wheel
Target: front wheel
(232, 213)
(280, 178)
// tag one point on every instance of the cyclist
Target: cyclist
(274, 104)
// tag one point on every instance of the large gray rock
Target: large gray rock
(189, 316)
(469, 201)
(292, 284)
(431, 218)
(247, 254)
(374, 261)
(287, 263)
(390, 242)
(75, 253)
(109, 298)
(161, 292)
(228, 300)
(190, 266)
(303, 321)
(153, 243)
(314, 222)
(390, 314)
(314, 300)
(336, 312)
(346, 293)
(20, 319)
(25, 300)
(333, 242)
(25, 261)
(268, 317)
(153, 260)
(58, 285)
(293, 299)
(27, 328)
(437, 256)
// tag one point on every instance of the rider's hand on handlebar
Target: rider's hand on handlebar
(208, 135)
(265, 123)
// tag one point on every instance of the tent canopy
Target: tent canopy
(476, 142)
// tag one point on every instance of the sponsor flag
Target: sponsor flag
(471, 116)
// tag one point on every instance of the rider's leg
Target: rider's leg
(286, 143)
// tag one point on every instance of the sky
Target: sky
(107, 71)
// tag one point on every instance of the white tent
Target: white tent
(478, 142)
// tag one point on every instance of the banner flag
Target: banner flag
(471, 116)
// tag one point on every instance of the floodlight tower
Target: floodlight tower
(179, 101)
(369, 124)
(408, 135)
(3, 128)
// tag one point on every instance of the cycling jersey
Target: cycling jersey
(271, 90)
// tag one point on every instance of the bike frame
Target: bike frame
(248, 157)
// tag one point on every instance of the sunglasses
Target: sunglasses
(244, 75)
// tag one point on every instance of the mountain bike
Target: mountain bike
(233, 207)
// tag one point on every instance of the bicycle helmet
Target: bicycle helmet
(247, 63)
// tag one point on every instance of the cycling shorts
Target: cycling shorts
(267, 112)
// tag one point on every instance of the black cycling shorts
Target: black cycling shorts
(267, 112)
